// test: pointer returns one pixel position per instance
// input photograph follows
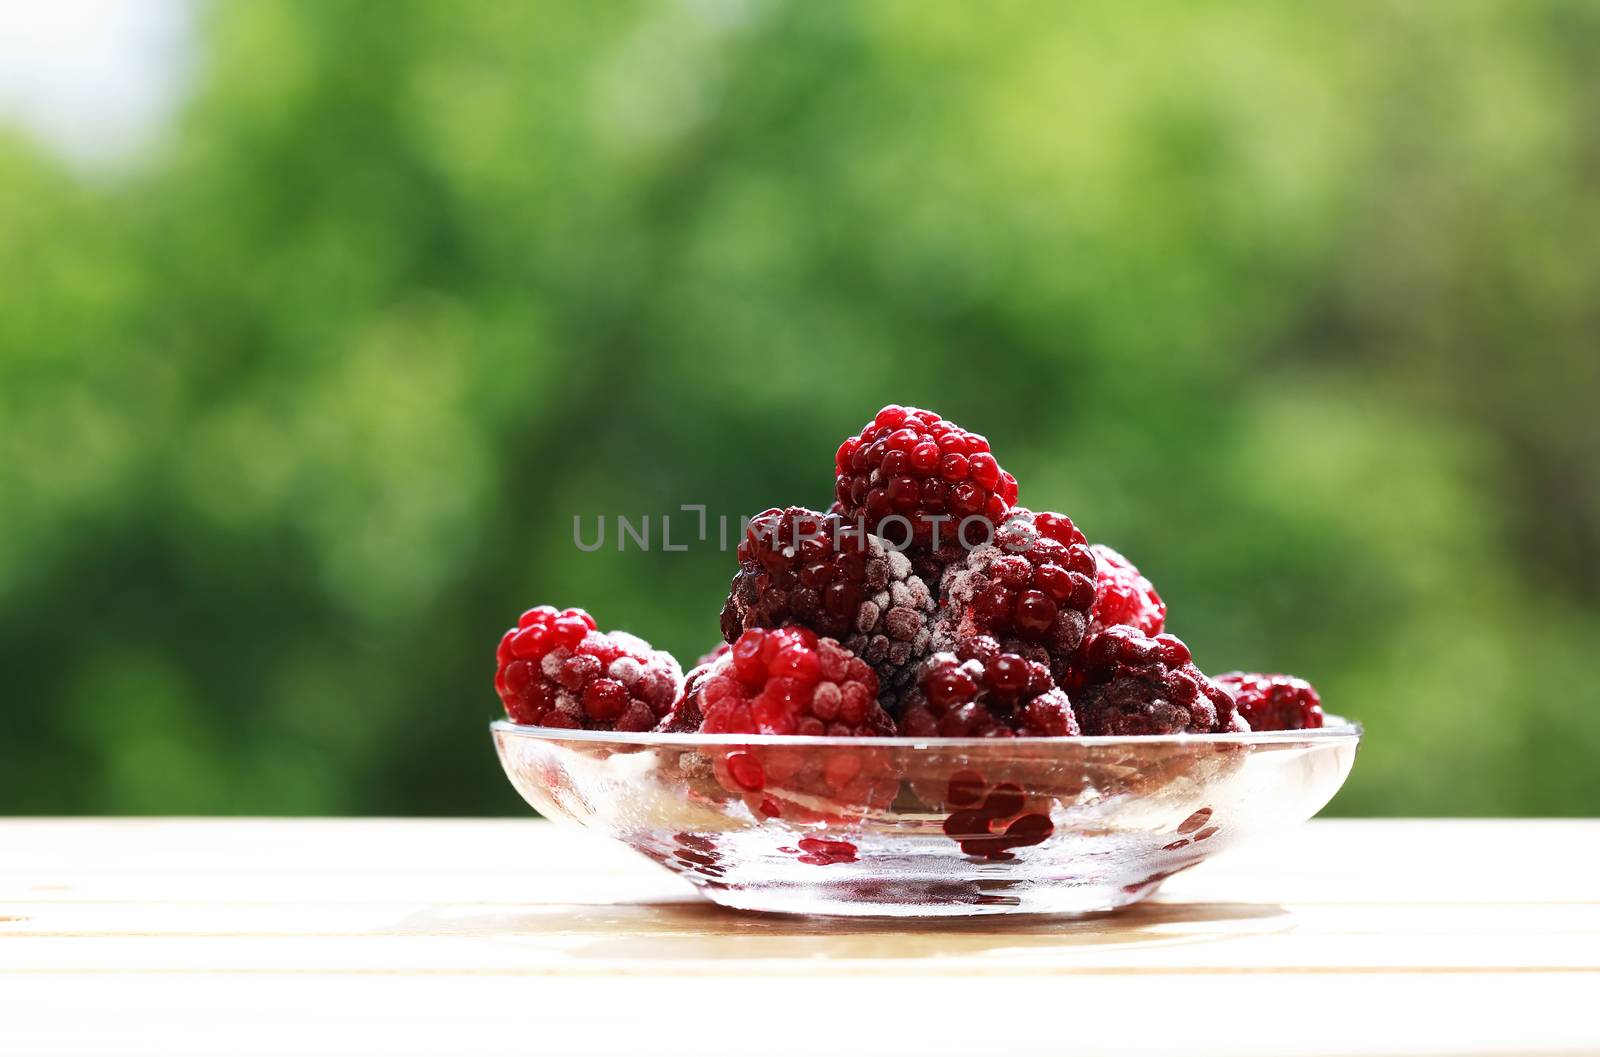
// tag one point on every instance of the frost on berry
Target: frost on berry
(1035, 584)
(1130, 684)
(555, 669)
(818, 571)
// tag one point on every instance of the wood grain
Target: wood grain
(396, 937)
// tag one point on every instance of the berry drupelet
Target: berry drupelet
(914, 464)
(817, 571)
(1123, 596)
(1273, 702)
(1035, 583)
(986, 691)
(555, 669)
(1129, 683)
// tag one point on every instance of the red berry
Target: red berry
(817, 571)
(1035, 583)
(1123, 596)
(1274, 702)
(789, 681)
(554, 669)
(985, 691)
(914, 464)
(1127, 683)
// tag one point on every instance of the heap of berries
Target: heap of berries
(924, 602)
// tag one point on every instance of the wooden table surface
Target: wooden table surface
(481, 937)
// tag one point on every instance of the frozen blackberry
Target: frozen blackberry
(930, 562)
(912, 464)
(554, 669)
(1273, 702)
(1035, 583)
(817, 571)
(797, 567)
(790, 681)
(1128, 683)
(1122, 595)
(986, 691)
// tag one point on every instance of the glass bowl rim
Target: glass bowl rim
(1335, 729)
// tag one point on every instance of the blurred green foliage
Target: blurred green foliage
(1294, 304)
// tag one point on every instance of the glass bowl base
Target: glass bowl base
(914, 898)
(922, 873)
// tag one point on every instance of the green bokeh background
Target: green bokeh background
(1294, 304)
